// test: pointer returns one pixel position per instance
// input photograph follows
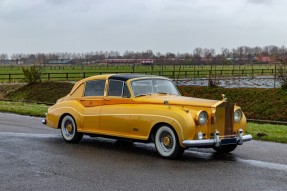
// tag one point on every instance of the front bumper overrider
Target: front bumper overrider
(216, 141)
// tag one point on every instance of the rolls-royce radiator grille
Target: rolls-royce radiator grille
(224, 118)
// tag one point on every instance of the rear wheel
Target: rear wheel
(225, 148)
(167, 144)
(69, 130)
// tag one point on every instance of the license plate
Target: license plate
(230, 141)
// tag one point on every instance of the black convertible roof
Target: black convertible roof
(125, 77)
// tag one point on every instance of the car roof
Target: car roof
(126, 77)
(121, 77)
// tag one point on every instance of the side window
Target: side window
(126, 92)
(119, 89)
(95, 88)
(115, 88)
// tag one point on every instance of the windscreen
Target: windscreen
(153, 86)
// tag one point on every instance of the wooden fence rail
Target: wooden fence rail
(175, 74)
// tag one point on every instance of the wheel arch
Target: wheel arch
(156, 127)
(61, 118)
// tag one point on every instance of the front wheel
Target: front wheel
(167, 144)
(225, 148)
(69, 130)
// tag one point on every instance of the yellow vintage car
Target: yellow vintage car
(147, 108)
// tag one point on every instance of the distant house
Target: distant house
(8, 62)
(60, 62)
(262, 59)
(133, 61)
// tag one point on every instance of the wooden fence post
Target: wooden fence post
(275, 76)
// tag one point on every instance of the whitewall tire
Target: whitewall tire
(167, 144)
(69, 130)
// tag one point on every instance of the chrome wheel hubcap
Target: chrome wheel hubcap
(68, 128)
(166, 141)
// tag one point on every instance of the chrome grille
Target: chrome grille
(224, 118)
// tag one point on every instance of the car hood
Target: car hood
(177, 100)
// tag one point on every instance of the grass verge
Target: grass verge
(31, 109)
(268, 132)
(264, 132)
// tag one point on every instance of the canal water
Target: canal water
(243, 82)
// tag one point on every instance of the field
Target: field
(74, 73)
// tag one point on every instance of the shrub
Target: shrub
(32, 74)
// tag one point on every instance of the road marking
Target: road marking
(12, 134)
(256, 163)
(262, 164)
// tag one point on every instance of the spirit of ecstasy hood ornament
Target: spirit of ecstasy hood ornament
(223, 97)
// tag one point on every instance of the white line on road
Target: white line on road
(12, 134)
(261, 164)
(256, 163)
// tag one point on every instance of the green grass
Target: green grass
(24, 108)
(172, 71)
(45, 92)
(274, 133)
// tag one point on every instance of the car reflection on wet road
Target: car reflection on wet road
(34, 157)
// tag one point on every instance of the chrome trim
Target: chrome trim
(44, 121)
(216, 141)
(199, 143)
(247, 138)
(240, 137)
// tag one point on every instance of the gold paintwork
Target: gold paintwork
(118, 117)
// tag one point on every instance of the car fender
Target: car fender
(56, 112)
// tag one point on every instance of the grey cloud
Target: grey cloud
(261, 1)
(160, 25)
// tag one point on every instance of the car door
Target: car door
(117, 105)
(92, 102)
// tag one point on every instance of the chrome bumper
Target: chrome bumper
(216, 142)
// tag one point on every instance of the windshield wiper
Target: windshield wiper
(140, 95)
(162, 93)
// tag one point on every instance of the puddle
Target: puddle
(244, 82)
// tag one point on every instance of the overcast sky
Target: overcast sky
(32, 26)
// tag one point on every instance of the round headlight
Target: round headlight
(237, 115)
(202, 118)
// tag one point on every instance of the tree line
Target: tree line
(198, 54)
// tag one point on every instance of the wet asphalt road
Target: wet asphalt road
(34, 157)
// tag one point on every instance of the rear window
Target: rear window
(95, 88)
